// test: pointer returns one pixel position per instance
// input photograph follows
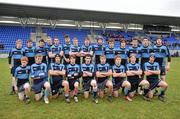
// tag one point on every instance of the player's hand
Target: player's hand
(167, 67)
(16, 88)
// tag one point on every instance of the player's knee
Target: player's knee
(127, 84)
(165, 85)
(47, 85)
(115, 94)
(65, 83)
(76, 85)
(27, 86)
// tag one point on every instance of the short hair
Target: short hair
(42, 40)
(117, 56)
(38, 55)
(132, 55)
(57, 55)
(72, 56)
(99, 38)
(29, 41)
(145, 38)
(24, 58)
(18, 41)
(110, 40)
(123, 41)
(102, 56)
(134, 39)
(88, 55)
(66, 36)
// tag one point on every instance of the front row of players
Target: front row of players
(94, 80)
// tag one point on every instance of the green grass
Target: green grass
(11, 107)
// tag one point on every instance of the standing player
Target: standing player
(39, 76)
(98, 50)
(57, 78)
(110, 52)
(103, 73)
(119, 75)
(134, 73)
(75, 50)
(47, 47)
(134, 49)
(161, 53)
(14, 58)
(152, 73)
(42, 50)
(29, 52)
(73, 75)
(54, 49)
(22, 80)
(66, 49)
(88, 73)
(123, 52)
(86, 48)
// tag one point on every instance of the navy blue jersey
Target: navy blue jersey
(87, 48)
(98, 49)
(146, 51)
(135, 50)
(109, 52)
(133, 67)
(55, 49)
(123, 52)
(102, 68)
(56, 67)
(89, 68)
(74, 49)
(15, 55)
(161, 52)
(29, 52)
(118, 69)
(66, 49)
(42, 51)
(47, 47)
(73, 71)
(22, 74)
(153, 67)
(39, 71)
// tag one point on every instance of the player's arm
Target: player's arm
(130, 73)
(9, 59)
(169, 60)
(157, 72)
(99, 74)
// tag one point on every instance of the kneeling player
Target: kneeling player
(73, 75)
(88, 78)
(119, 75)
(103, 72)
(133, 76)
(22, 79)
(152, 72)
(57, 73)
(39, 77)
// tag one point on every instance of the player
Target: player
(152, 72)
(14, 58)
(119, 75)
(73, 75)
(66, 49)
(103, 73)
(134, 73)
(57, 74)
(39, 76)
(47, 47)
(88, 73)
(22, 80)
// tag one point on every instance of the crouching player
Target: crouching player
(22, 80)
(133, 76)
(88, 78)
(73, 75)
(119, 75)
(39, 77)
(57, 78)
(152, 72)
(103, 73)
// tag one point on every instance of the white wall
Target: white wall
(150, 7)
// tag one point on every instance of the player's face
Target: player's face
(23, 63)
(145, 42)
(123, 45)
(67, 40)
(152, 58)
(49, 41)
(41, 44)
(56, 41)
(111, 44)
(159, 41)
(57, 60)
(118, 61)
(39, 59)
(29, 44)
(102, 60)
(75, 42)
(134, 43)
(86, 42)
(88, 60)
(100, 41)
(19, 45)
(72, 60)
(133, 59)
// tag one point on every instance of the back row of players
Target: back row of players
(63, 63)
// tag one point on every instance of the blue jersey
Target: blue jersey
(41, 50)
(133, 67)
(123, 52)
(153, 67)
(161, 52)
(109, 52)
(22, 75)
(118, 69)
(55, 49)
(146, 51)
(98, 49)
(56, 67)
(134, 50)
(29, 52)
(15, 55)
(89, 68)
(66, 49)
(39, 71)
(102, 68)
(75, 48)
(87, 48)
(73, 71)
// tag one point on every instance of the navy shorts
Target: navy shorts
(117, 85)
(55, 86)
(21, 87)
(37, 87)
(86, 85)
(102, 85)
(71, 83)
(134, 84)
(153, 83)
(163, 70)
